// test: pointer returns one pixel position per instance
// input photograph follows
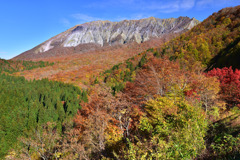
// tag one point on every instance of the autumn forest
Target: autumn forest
(174, 97)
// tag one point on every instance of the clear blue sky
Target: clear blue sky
(27, 23)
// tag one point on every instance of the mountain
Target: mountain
(156, 103)
(97, 34)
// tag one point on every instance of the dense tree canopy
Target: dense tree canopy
(229, 83)
(24, 105)
(214, 42)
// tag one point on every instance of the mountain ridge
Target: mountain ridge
(107, 33)
(215, 42)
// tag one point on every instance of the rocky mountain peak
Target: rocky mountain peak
(107, 33)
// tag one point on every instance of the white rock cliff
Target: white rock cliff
(110, 33)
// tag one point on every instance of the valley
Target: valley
(135, 89)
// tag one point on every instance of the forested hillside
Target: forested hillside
(26, 105)
(9, 66)
(79, 68)
(168, 108)
(162, 103)
(215, 42)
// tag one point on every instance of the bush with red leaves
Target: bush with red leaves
(229, 83)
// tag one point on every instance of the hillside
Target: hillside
(162, 109)
(213, 43)
(9, 66)
(26, 105)
(94, 35)
(79, 68)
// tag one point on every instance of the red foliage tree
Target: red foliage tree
(229, 83)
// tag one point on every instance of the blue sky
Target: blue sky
(27, 23)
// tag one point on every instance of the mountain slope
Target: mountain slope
(213, 43)
(9, 66)
(96, 34)
(78, 68)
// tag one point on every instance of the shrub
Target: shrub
(170, 129)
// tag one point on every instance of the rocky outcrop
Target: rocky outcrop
(97, 34)
(110, 33)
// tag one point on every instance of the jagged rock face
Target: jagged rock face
(106, 33)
